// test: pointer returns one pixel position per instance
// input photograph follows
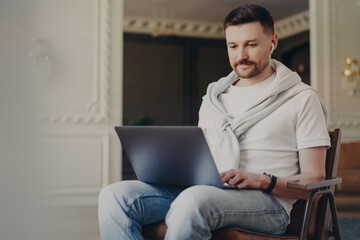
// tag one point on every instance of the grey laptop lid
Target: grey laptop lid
(169, 155)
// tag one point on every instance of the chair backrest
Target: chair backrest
(320, 220)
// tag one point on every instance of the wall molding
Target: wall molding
(292, 25)
(286, 27)
(328, 56)
(97, 110)
(142, 25)
(80, 194)
(325, 71)
(332, 93)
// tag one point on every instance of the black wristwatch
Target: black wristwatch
(272, 184)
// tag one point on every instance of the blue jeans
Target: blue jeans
(190, 213)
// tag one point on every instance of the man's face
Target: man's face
(249, 49)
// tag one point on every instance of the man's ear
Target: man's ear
(274, 42)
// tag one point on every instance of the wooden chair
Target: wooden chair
(310, 219)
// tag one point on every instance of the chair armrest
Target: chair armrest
(313, 183)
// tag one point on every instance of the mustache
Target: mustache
(244, 62)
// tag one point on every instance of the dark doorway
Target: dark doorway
(165, 79)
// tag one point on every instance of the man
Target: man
(264, 128)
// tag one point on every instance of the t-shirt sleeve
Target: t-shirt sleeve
(311, 127)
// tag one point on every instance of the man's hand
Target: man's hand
(243, 179)
(312, 166)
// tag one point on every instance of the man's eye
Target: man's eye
(252, 45)
(232, 46)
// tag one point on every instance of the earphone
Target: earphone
(272, 48)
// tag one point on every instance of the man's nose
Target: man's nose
(241, 54)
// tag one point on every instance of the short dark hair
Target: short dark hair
(250, 13)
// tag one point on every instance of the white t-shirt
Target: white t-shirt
(272, 144)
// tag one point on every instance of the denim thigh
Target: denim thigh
(249, 209)
(142, 202)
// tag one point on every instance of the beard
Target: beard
(256, 69)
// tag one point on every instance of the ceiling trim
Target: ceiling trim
(292, 25)
(134, 24)
(285, 28)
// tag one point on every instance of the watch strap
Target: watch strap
(272, 183)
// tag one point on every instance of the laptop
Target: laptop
(175, 155)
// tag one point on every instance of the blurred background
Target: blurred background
(72, 70)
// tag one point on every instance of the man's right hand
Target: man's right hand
(242, 179)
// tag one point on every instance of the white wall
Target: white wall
(334, 36)
(76, 63)
(75, 57)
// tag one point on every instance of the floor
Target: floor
(348, 205)
(73, 223)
